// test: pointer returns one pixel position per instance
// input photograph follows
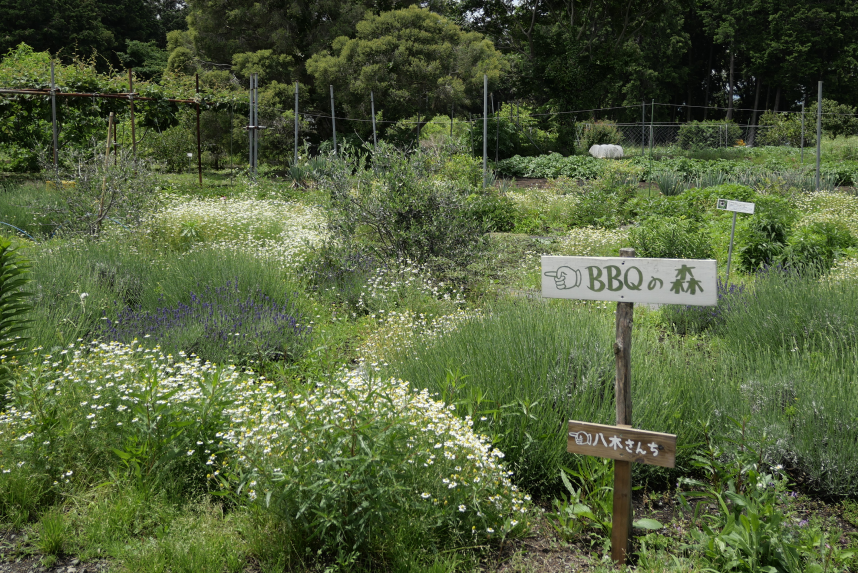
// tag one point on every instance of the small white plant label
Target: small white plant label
(735, 206)
(626, 279)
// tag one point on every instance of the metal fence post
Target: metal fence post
(643, 128)
(818, 132)
(333, 120)
(199, 135)
(296, 124)
(802, 130)
(131, 105)
(485, 125)
(54, 118)
(372, 108)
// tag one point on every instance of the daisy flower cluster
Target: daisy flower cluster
(400, 331)
(360, 448)
(270, 229)
(845, 269)
(835, 207)
(590, 241)
(70, 412)
(392, 285)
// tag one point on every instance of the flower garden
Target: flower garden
(354, 371)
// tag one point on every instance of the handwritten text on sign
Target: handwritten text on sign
(621, 443)
(621, 279)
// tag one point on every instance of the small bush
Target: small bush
(494, 208)
(670, 238)
(815, 246)
(599, 133)
(698, 135)
(784, 129)
(761, 242)
(400, 211)
(351, 461)
(14, 308)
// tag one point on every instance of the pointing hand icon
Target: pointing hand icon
(565, 277)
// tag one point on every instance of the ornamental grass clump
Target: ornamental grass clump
(359, 465)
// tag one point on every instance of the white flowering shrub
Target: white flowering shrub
(93, 406)
(347, 464)
(269, 229)
(401, 283)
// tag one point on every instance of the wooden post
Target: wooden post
(199, 138)
(622, 520)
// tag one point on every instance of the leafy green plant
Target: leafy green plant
(749, 532)
(784, 128)
(399, 212)
(356, 459)
(670, 238)
(708, 134)
(14, 307)
(814, 247)
(599, 133)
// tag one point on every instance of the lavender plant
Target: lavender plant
(226, 324)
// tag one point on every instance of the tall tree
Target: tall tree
(410, 59)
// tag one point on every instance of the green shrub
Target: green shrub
(527, 367)
(670, 238)
(599, 133)
(761, 241)
(698, 135)
(494, 208)
(816, 245)
(399, 211)
(351, 461)
(784, 129)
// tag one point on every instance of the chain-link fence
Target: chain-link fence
(659, 138)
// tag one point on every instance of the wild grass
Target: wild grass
(22, 210)
(783, 361)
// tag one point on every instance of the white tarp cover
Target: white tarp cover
(607, 151)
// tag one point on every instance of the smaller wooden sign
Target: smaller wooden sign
(621, 443)
(735, 206)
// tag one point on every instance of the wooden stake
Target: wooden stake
(622, 520)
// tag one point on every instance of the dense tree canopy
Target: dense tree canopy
(411, 59)
(696, 58)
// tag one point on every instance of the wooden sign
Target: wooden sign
(735, 206)
(625, 279)
(622, 443)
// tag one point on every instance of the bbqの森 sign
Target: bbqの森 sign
(624, 279)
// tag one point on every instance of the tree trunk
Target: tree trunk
(768, 96)
(753, 137)
(730, 97)
(777, 99)
(708, 80)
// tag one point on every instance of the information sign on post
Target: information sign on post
(735, 207)
(627, 280)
